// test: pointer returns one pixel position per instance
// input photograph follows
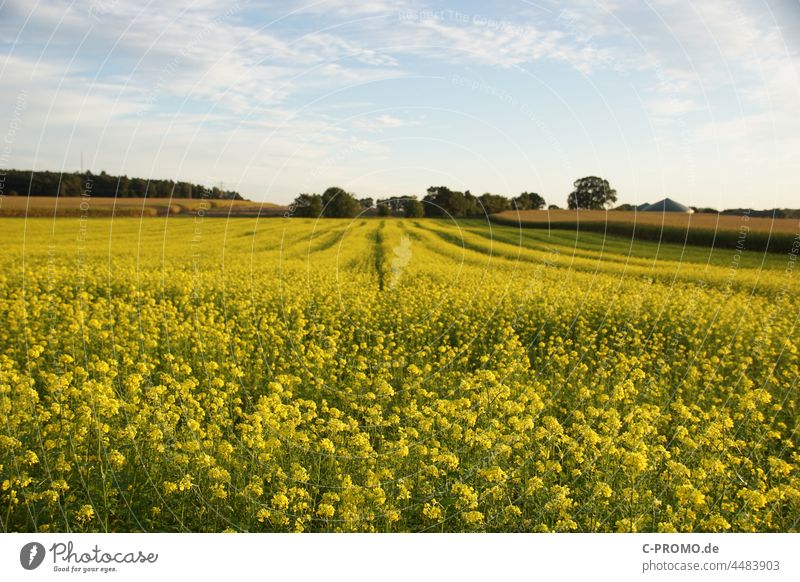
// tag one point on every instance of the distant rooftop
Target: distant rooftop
(665, 205)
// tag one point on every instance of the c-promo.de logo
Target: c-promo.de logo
(31, 555)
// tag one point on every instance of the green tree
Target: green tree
(395, 205)
(527, 201)
(165, 188)
(441, 201)
(71, 185)
(307, 206)
(413, 208)
(472, 205)
(493, 203)
(123, 183)
(336, 203)
(47, 183)
(591, 193)
(183, 190)
(138, 187)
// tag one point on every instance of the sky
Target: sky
(697, 101)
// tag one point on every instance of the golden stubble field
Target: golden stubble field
(50, 206)
(391, 375)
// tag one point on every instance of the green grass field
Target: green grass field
(775, 235)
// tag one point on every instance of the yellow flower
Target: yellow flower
(280, 501)
(432, 510)
(472, 517)
(30, 458)
(116, 459)
(635, 462)
(602, 490)
(326, 511)
(85, 514)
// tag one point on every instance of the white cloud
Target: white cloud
(670, 106)
(261, 80)
(382, 122)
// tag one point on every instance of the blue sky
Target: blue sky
(696, 101)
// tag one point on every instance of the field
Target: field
(50, 206)
(725, 231)
(181, 374)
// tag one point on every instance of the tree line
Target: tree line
(590, 192)
(440, 201)
(45, 183)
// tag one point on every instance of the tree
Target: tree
(413, 208)
(164, 189)
(553, 207)
(386, 206)
(528, 201)
(443, 202)
(308, 205)
(472, 205)
(493, 203)
(71, 185)
(336, 203)
(591, 193)
(182, 190)
(366, 203)
(123, 183)
(138, 187)
(46, 183)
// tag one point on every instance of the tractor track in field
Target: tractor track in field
(379, 255)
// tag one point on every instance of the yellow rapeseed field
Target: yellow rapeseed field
(180, 374)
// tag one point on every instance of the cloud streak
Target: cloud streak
(173, 88)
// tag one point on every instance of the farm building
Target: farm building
(665, 205)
